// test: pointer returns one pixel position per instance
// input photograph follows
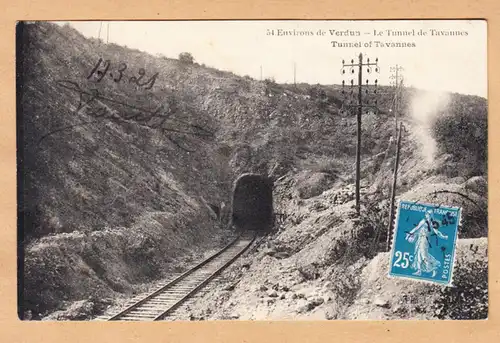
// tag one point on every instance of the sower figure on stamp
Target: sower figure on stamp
(423, 261)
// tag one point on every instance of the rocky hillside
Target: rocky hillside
(108, 183)
(323, 263)
(124, 168)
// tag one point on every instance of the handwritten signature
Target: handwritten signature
(98, 106)
(118, 74)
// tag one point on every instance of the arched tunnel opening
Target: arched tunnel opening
(252, 205)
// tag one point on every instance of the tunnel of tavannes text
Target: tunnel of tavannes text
(253, 203)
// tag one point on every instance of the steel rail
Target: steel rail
(185, 277)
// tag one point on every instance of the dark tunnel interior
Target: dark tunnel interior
(253, 203)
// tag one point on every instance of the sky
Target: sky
(456, 62)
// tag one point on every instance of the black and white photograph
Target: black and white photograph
(201, 170)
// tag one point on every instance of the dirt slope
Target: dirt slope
(111, 203)
(323, 264)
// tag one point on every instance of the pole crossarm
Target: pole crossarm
(397, 83)
(359, 106)
(357, 64)
(363, 105)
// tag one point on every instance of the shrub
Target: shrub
(186, 57)
(346, 286)
(372, 226)
(469, 298)
(463, 134)
(270, 81)
(327, 166)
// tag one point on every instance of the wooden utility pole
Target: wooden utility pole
(358, 145)
(359, 106)
(393, 190)
(398, 85)
(100, 28)
(294, 74)
(261, 72)
(107, 37)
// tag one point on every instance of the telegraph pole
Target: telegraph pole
(107, 37)
(358, 145)
(100, 28)
(359, 107)
(393, 190)
(398, 85)
(294, 74)
(261, 72)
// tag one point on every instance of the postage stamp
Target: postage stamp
(423, 246)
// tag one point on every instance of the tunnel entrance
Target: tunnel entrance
(253, 203)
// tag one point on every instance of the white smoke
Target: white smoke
(424, 110)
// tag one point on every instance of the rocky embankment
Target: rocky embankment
(109, 203)
(323, 261)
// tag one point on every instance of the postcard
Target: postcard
(252, 170)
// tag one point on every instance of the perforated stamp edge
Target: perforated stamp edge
(393, 243)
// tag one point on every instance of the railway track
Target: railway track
(165, 300)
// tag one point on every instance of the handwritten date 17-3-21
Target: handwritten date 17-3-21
(103, 68)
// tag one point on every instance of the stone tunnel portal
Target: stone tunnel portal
(253, 203)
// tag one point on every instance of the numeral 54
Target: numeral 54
(403, 259)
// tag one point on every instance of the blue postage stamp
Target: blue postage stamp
(424, 240)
